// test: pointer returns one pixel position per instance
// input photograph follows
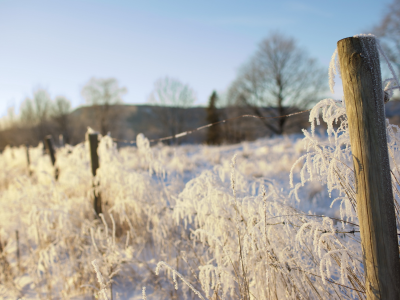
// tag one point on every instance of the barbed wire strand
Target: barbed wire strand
(188, 132)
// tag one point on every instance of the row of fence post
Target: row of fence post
(94, 161)
(363, 94)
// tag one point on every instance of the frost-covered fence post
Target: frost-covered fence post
(363, 94)
(94, 159)
(50, 150)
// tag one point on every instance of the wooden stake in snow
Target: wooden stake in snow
(94, 159)
(28, 160)
(50, 150)
(363, 95)
(18, 252)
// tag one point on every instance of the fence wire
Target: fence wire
(188, 132)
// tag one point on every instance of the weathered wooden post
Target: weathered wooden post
(94, 159)
(28, 160)
(363, 95)
(18, 252)
(50, 150)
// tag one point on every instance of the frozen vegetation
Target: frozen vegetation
(270, 219)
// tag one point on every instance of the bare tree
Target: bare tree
(35, 111)
(170, 98)
(102, 94)
(8, 120)
(388, 30)
(279, 78)
(61, 109)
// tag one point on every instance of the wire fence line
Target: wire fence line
(188, 132)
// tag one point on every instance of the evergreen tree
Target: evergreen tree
(213, 133)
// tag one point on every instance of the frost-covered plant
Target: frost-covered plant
(59, 235)
(329, 161)
(280, 250)
(277, 221)
(297, 255)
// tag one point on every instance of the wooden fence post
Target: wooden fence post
(94, 159)
(28, 160)
(363, 95)
(50, 150)
(18, 252)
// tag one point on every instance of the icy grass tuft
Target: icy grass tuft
(274, 218)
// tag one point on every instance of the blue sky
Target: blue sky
(60, 45)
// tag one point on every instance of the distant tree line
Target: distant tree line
(40, 115)
(280, 78)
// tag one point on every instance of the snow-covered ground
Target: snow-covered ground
(211, 222)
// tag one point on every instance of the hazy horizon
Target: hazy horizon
(60, 46)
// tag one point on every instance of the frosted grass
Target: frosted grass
(160, 202)
(270, 219)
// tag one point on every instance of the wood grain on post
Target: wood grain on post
(363, 94)
(94, 161)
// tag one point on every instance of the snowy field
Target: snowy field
(254, 220)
